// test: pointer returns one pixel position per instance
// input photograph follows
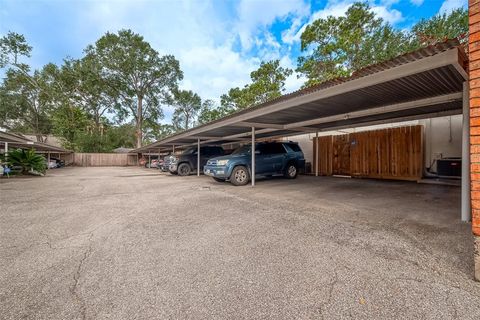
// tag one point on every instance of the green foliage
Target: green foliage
(111, 138)
(268, 82)
(136, 73)
(28, 160)
(210, 112)
(441, 27)
(68, 123)
(158, 132)
(337, 46)
(12, 47)
(28, 100)
(187, 105)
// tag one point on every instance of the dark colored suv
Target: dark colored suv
(187, 161)
(271, 158)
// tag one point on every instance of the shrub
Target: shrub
(28, 160)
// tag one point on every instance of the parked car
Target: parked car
(271, 158)
(55, 163)
(187, 161)
(154, 163)
(167, 161)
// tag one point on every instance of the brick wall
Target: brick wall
(474, 72)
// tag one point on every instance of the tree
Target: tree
(69, 122)
(210, 112)
(337, 46)
(187, 105)
(137, 74)
(441, 27)
(29, 100)
(12, 47)
(268, 82)
(82, 85)
(158, 132)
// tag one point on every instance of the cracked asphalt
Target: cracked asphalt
(133, 243)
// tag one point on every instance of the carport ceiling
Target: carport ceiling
(422, 84)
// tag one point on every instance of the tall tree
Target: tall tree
(29, 100)
(69, 122)
(187, 105)
(441, 27)
(268, 82)
(82, 83)
(338, 46)
(140, 77)
(13, 46)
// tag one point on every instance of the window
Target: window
(295, 147)
(274, 148)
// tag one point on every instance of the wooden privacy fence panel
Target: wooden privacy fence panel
(104, 159)
(325, 155)
(392, 153)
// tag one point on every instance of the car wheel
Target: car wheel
(218, 179)
(240, 176)
(291, 171)
(183, 169)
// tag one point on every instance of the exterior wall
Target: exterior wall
(443, 138)
(474, 83)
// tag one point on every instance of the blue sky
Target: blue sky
(217, 42)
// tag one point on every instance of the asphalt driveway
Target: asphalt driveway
(131, 243)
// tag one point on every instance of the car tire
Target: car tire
(291, 171)
(184, 169)
(218, 179)
(240, 176)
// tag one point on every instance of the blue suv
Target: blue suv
(271, 158)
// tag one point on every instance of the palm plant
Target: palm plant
(28, 160)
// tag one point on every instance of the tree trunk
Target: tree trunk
(139, 121)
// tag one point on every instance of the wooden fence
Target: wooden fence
(393, 153)
(104, 159)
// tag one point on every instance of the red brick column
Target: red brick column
(474, 82)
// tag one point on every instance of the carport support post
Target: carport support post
(48, 160)
(6, 150)
(253, 157)
(149, 159)
(316, 154)
(466, 209)
(198, 157)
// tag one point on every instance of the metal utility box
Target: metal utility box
(449, 167)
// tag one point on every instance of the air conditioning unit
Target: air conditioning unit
(449, 167)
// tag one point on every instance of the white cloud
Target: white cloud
(392, 16)
(417, 3)
(449, 5)
(255, 16)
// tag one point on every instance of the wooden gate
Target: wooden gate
(341, 155)
(393, 153)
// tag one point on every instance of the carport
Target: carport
(9, 140)
(427, 83)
